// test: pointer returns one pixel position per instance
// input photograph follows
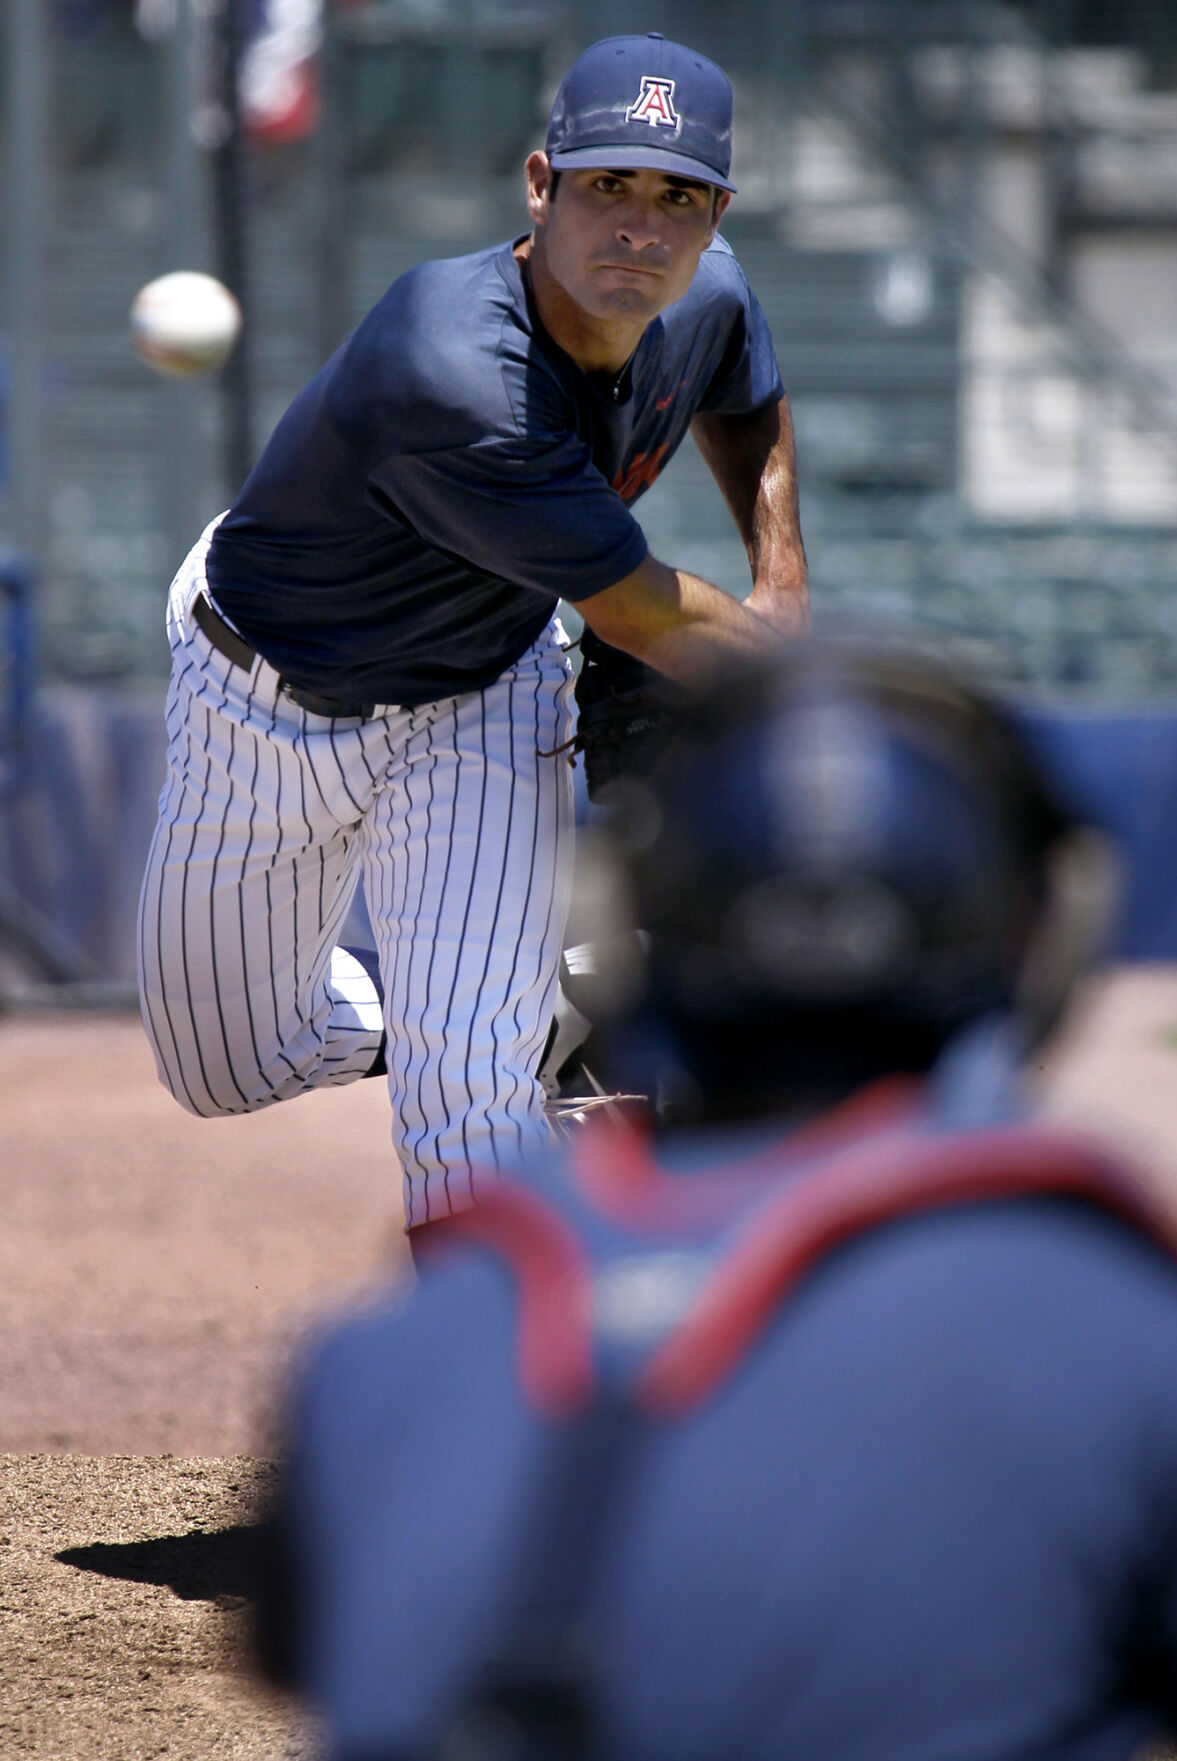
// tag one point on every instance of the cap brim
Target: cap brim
(631, 158)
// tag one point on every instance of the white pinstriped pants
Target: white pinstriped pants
(462, 831)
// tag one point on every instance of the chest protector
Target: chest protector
(641, 1292)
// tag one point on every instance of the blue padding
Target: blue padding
(74, 834)
(1120, 770)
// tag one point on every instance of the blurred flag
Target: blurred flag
(279, 85)
(278, 78)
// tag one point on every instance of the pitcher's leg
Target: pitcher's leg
(252, 867)
(468, 874)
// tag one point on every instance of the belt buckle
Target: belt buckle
(330, 707)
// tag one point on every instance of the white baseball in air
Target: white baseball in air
(184, 323)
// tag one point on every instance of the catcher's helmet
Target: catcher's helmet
(850, 849)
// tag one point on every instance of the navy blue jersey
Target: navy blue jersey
(450, 473)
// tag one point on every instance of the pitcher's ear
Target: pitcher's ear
(541, 181)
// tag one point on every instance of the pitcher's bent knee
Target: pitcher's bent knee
(203, 1105)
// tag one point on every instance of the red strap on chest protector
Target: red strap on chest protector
(616, 1170)
(864, 1183)
(555, 1280)
(872, 1183)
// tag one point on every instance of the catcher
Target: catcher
(831, 1412)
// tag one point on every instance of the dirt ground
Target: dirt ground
(155, 1273)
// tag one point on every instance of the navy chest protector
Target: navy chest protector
(639, 1293)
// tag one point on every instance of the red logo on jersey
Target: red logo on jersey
(640, 473)
(654, 103)
(662, 403)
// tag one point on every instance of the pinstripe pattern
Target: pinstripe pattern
(267, 816)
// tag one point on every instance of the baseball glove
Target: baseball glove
(624, 712)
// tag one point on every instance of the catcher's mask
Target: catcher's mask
(849, 846)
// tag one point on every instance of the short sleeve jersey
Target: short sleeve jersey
(450, 473)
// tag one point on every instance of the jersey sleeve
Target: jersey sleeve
(536, 513)
(747, 375)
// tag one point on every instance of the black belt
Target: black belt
(236, 649)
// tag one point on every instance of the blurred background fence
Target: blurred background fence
(960, 218)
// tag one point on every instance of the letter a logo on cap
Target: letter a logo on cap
(654, 103)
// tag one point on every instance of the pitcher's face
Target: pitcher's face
(622, 244)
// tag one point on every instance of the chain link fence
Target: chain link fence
(961, 220)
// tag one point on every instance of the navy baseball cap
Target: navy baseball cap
(644, 103)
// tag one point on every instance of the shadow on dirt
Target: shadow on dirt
(218, 1566)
